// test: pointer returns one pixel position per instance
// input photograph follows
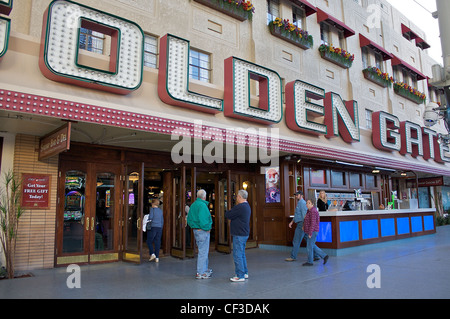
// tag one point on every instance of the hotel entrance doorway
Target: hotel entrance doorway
(104, 194)
(221, 188)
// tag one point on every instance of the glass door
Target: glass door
(178, 217)
(189, 199)
(226, 193)
(71, 232)
(103, 223)
(133, 194)
(248, 184)
(87, 219)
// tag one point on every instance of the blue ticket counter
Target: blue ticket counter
(343, 229)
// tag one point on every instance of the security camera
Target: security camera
(443, 138)
(431, 115)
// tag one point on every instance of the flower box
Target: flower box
(240, 10)
(375, 75)
(290, 33)
(337, 56)
(409, 93)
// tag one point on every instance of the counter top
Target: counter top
(373, 212)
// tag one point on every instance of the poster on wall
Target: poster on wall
(36, 191)
(272, 184)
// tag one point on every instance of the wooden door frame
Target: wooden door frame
(124, 236)
(88, 255)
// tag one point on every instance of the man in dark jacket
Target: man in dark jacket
(240, 230)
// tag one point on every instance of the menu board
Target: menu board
(36, 191)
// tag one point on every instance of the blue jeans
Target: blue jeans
(297, 241)
(154, 236)
(312, 249)
(202, 240)
(299, 234)
(240, 261)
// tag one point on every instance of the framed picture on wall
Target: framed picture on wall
(272, 178)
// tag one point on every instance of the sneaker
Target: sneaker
(246, 276)
(203, 276)
(290, 259)
(152, 257)
(325, 259)
(156, 260)
(307, 264)
(237, 279)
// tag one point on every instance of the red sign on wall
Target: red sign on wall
(36, 191)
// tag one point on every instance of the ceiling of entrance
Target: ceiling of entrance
(89, 133)
(86, 132)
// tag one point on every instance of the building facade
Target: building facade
(105, 105)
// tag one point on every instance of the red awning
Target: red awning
(364, 42)
(397, 61)
(309, 8)
(407, 33)
(325, 17)
(421, 43)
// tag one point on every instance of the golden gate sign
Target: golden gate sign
(59, 61)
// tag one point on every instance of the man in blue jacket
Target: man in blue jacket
(299, 216)
(240, 230)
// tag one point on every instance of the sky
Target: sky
(418, 11)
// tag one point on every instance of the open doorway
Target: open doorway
(153, 189)
(206, 181)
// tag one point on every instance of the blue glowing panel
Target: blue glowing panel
(416, 224)
(349, 230)
(324, 235)
(428, 222)
(369, 228)
(403, 225)
(387, 227)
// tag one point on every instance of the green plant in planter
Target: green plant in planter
(337, 55)
(10, 212)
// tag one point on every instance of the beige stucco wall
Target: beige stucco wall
(247, 40)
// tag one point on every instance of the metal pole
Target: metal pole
(443, 10)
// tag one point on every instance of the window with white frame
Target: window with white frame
(298, 17)
(325, 33)
(342, 42)
(199, 65)
(414, 81)
(365, 57)
(379, 61)
(151, 51)
(273, 10)
(369, 118)
(91, 40)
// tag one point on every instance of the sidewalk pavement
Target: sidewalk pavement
(408, 269)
